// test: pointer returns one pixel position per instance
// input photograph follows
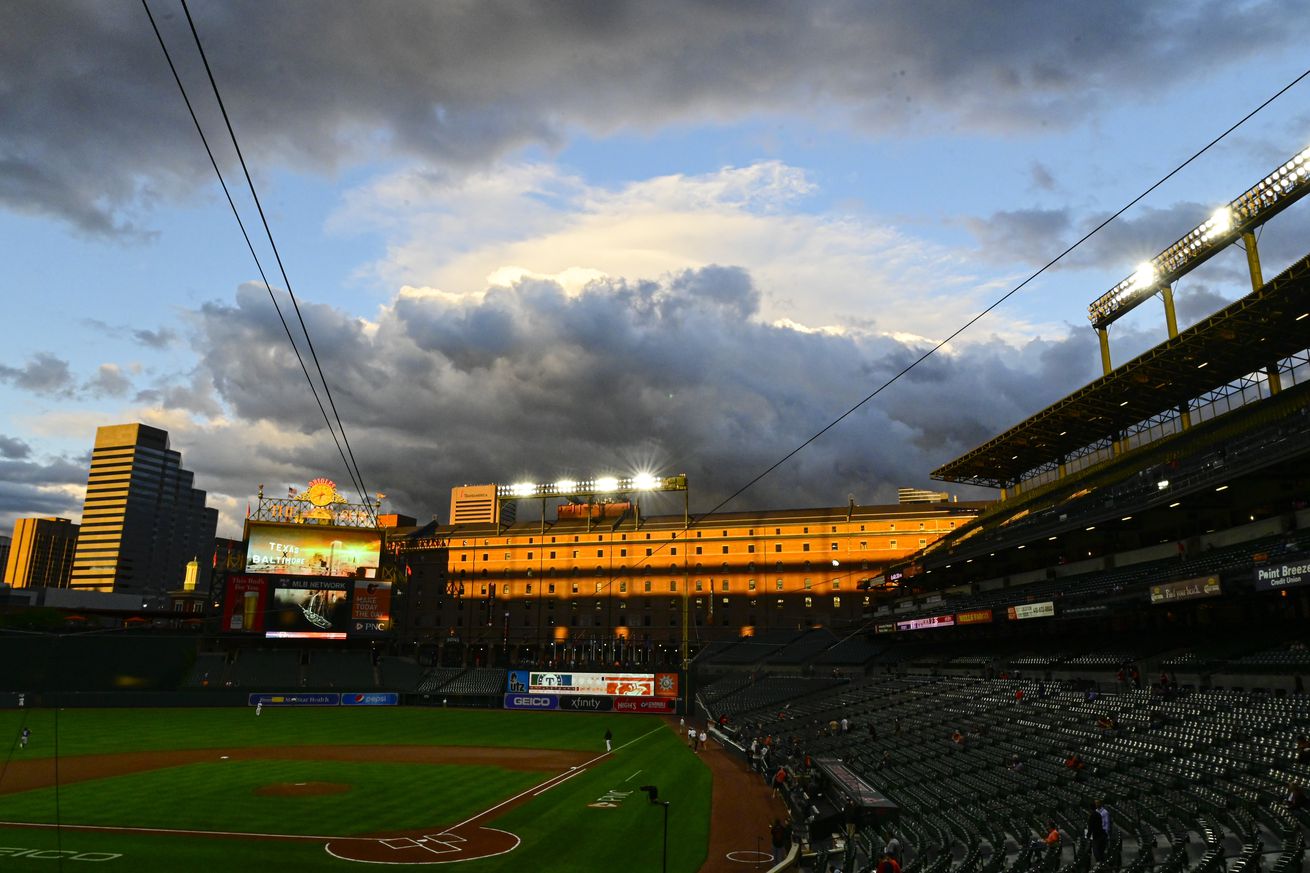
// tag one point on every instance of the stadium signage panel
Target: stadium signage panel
(310, 550)
(599, 684)
(330, 699)
(645, 704)
(244, 602)
(1045, 609)
(370, 612)
(973, 616)
(371, 698)
(1289, 575)
(1187, 589)
(531, 701)
(924, 623)
(586, 703)
(888, 627)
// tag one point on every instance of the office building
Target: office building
(41, 553)
(142, 520)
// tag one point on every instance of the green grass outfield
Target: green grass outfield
(559, 830)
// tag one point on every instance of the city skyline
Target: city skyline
(537, 246)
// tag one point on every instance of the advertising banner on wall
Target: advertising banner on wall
(1045, 609)
(310, 549)
(885, 628)
(1187, 589)
(973, 616)
(605, 684)
(371, 610)
(925, 623)
(645, 704)
(371, 698)
(531, 701)
(244, 603)
(1290, 575)
(309, 609)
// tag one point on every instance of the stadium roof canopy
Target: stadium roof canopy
(1261, 329)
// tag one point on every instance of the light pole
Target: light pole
(654, 799)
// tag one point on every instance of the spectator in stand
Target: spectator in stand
(957, 738)
(1098, 829)
(1052, 834)
(886, 759)
(1074, 762)
(893, 848)
(1295, 796)
(1016, 765)
(1018, 695)
(1107, 723)
(779, 780)
(888, 864)
(1302, 749)
(845, 725)
(896, 725)
(1136, 676)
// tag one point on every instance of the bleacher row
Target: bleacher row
(1196, 781)
(784, 647)
(1232, 564)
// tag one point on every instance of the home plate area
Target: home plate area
(442, 848)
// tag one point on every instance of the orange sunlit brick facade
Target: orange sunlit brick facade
(576, 580)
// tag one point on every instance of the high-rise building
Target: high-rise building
(142, 520)
(41, 553)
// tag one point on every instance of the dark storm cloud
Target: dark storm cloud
(43, 373)
(100, 133)
(14, 449)
(673, 375)
(29, 487)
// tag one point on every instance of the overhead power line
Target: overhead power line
(346, 453)
(980, 315)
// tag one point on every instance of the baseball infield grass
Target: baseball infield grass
(596, 819)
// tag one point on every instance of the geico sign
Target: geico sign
(532, 701)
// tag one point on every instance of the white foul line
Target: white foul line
(633, 776)
(576, 772)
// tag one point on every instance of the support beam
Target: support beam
(1170, 317)
(1257, 282)
(1103, 334)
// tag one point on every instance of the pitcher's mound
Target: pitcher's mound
(301, 789)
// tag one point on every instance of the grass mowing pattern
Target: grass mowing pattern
(221, 796)
(107, 731)
(560, 831)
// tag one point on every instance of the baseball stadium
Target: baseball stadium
(1100, 671)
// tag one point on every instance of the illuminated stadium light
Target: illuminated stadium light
(1222, 488)
(1162, 484)
(584, 487)
(1176, 504)
(1280, 189)
(645, 482)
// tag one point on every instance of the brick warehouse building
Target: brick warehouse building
(615, 586)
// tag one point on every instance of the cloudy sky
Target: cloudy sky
(545, 240)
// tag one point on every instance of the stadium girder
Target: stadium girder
(1260, 330)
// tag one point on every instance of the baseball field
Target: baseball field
(333, 788)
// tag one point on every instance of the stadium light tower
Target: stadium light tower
(1236, 220)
